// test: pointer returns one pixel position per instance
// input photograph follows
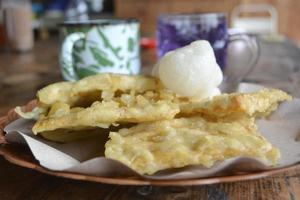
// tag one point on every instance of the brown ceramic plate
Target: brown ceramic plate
(21, 155)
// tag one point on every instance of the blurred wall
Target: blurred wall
(148, 10)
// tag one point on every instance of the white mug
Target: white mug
(99, 46)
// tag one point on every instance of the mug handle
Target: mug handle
(232, 80)
(66, 58)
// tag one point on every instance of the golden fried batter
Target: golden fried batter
(172, 131)
(154, 106)
(260, 103)
(150, 147)
(127, 108)
(74, 93)
(102, 100)
(108, 99)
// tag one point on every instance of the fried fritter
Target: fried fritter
(102, 100)
(154, 106)
(107, 99)
(150, 147)
(127, 108)
(257, 104)
(90, 88)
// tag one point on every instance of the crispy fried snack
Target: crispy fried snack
(103, 100)
(89, 89)
(150, 147)
(153, 106)
(107, 99)
(257, 104)
(127, 108)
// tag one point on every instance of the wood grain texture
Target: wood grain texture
(20, 77)
(28, 184)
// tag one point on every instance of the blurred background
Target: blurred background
(280, 16)
(282, 13)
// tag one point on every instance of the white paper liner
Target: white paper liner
(86, 157)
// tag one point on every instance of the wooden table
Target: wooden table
(20, 77)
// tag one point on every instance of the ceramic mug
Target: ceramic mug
(99, 46)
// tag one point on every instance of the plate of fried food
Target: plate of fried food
(172, 128)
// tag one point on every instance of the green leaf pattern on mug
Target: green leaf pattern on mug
(101, 58)
(97, 51)
(130, 44)
(108, 45)
(83, 72)
(66, 59)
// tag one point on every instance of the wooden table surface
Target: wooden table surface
(21, 75)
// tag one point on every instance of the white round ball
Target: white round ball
(191, 70)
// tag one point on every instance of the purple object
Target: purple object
(177, 30)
